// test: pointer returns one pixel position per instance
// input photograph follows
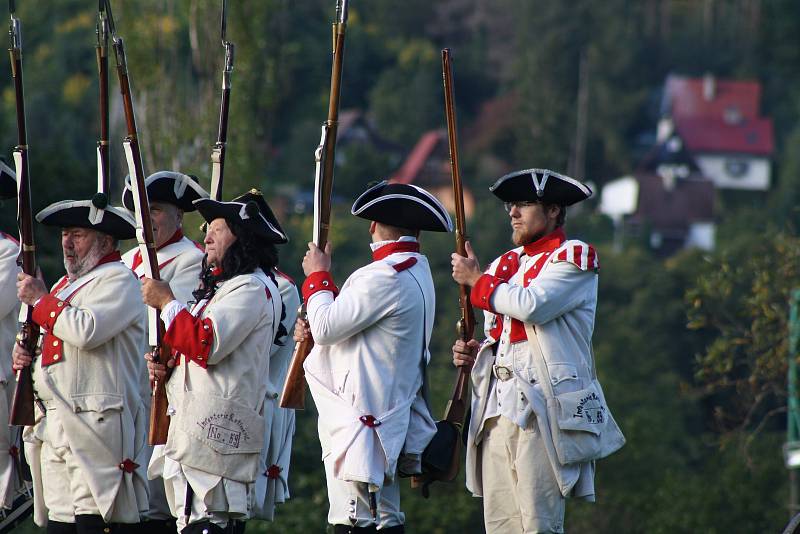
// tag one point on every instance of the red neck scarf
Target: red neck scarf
(397, 246)
(137, 258)
(548, 243)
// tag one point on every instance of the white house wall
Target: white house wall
(714, 166)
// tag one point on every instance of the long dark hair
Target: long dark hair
(247, 253)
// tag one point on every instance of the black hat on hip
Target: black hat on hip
(94, 214)
(171, 187)
(541, 185)
(404, 206)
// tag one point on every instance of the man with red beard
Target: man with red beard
(90, 429)
(540, 300)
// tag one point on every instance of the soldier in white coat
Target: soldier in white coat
(367, 368)
(90, 428)
(220, 367)
(272, 484)
(179, 262)
(171, 194)
(545, 288)
(10, 479)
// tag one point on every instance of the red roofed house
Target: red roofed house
(720, 125)
(428, 166)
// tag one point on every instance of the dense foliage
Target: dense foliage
(692, 350)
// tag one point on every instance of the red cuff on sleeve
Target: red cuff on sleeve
(47, 311)
(481, 294)
(319, 281)
(191, 336)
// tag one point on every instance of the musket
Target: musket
(159, 420)
(218, 150)
(294, 389)
(103, 161)
(28, 337)
(457, 405)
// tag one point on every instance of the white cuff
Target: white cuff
(171, 311)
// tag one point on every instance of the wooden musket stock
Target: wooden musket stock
(294, 388)
(22, 404)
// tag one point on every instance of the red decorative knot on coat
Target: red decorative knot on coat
(369, 420)
(273, 471)
(318, 281)
(191, 336)
(128, 465)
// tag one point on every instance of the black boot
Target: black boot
(397, 529)
(203, 527)
(236, 527)
(56, 527)
(347, 529)
(94, 524)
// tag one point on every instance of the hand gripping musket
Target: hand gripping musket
(218, 151)
(28, 337)
(457, 405)
(103, 161)
(294, 389)
(159, 420)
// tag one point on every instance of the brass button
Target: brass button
(52, 314)
(55, 343)
(199, 358)
(60, 304)
(56, 356)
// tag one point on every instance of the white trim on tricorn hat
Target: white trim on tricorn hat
(404, 206)
(254, 195)
(551, 188)
(95, 214)
(248, 214)
(8, 181)
(181, 192)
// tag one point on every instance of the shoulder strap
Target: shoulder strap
(423, 361)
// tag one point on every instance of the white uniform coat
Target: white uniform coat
(371, 346)
(9, 326)
(272, 484)
(217, 431)
(94, 386)
(179, 264)
(560, 303)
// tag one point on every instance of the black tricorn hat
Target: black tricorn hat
(540, 184)
(248, 213)
(171, 187)
(254, 195)
(404, 206)
(8, 181)
(95, 214)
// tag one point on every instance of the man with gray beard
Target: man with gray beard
(90, 430)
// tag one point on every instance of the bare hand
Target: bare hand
(315, 260)
(156, 293)
(466, 271)
(30, 289)
(158, 370)
(20, 357)
(301, 330)
(464, 353)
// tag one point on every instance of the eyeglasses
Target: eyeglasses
(519, 204)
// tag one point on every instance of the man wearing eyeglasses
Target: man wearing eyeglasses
(547, 286)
